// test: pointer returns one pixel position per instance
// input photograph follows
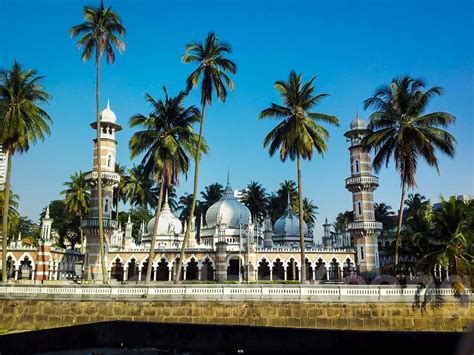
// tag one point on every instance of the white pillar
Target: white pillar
(447, 273)
(314, 273)
(327, 273)
(271, 274)
(184, 274)
(125, 274)
(340, 273)
(170, 274)
(140, 274)
(199, 273)
(284, 274)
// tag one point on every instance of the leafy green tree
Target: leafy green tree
(65, 224)
(342, 221)
(14, 218)
(137, 216)
(210, 196)
(119, 190)
(213, 68)
(101, 31)
(22, 123)
(399, 129)
(139, 188)
(309, 212)
(274, 206)
(167, 140)
(449, 243)
(77, 198)
(298, 133)
(255, 198)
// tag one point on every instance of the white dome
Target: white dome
(168, 224)
(107, 115)
(228, 210)
(358, 123)
(288, 225)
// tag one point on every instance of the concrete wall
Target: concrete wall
(19, 315)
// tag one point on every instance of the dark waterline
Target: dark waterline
(122, 337)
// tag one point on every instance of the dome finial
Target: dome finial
(288, 206)
(108, 104)
(46, 216)
(228, 176)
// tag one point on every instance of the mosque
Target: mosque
(230, 246)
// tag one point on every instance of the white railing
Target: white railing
(372, 180)
(365, 225)
(105, 175)
(307, 293)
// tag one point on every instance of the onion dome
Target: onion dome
(107, 115)
(228, 210)
(168, 224)
(288, 225)
(358, 123)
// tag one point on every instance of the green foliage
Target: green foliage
(211, 194)
(65, 224)
(255, 198)
(137, 216)
(77, 195)
(14, 218)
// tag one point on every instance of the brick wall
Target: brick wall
(18, 315)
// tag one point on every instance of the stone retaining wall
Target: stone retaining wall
(19, 315)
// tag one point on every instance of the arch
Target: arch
(117, 269)
(320, 269)
(289, 258)
(263, 269)
(192, 256)
(162, 269)
(334, 266)
(192, 269)
(207, 269)
(309, 266)
(109, 268)
(132, 268)
(25, 255)
(26, 268)
(234, 256)
(132, 257)
(207, 256)
(233, 267)
(276, 257)
(109, 160)
(278, 269)
(292, 269)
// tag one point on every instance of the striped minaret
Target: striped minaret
(364, 230)
(44, 248)
(110, 179)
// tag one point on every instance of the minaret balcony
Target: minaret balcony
(106, 175)
(365, 226)
(361, 183)
(94, 223)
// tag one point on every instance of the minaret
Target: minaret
(327, 235)
(364, 230)
(110, 179)
(44, 248)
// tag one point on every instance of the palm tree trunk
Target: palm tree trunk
(99, 168)
(301, 213)
(195, 193)
(400, 219)
(151, 255)
(81, 234)
(6, 205)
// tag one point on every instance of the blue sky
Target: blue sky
(353, 47)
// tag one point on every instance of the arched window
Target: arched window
(362, 253)
(357, 166)
(109, 161)
(106, 206)
(359, 208)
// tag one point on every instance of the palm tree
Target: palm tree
(184, 205)
(288, 187)
(309, 212)
(210, 196)
(101, 31)
(213, 67)
(414, 202)
(13, 214)
(449, 242)
(22, 123)
(342, 222)
(167, 140)
(255, 198)
(298, 133)
(400, 129)
(273, 207)
(78, 198)
(139, 188)
(119, 190)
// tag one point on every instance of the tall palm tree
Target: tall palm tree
(139, 188)
(210, 196)
(22, 123)
(298, 133)
(13, 214)
(384, 214)
(184, 205)
(101, 31)
(77, 198)
(342, 222)
(213, 68)
(167, 140)
(255, 198)
(401, 130)
(309, 212)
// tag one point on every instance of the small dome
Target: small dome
(289, 224)
(358, 123)
(228, 210)
(107, 115)
(168, 224)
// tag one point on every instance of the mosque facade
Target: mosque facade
(229, 246)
